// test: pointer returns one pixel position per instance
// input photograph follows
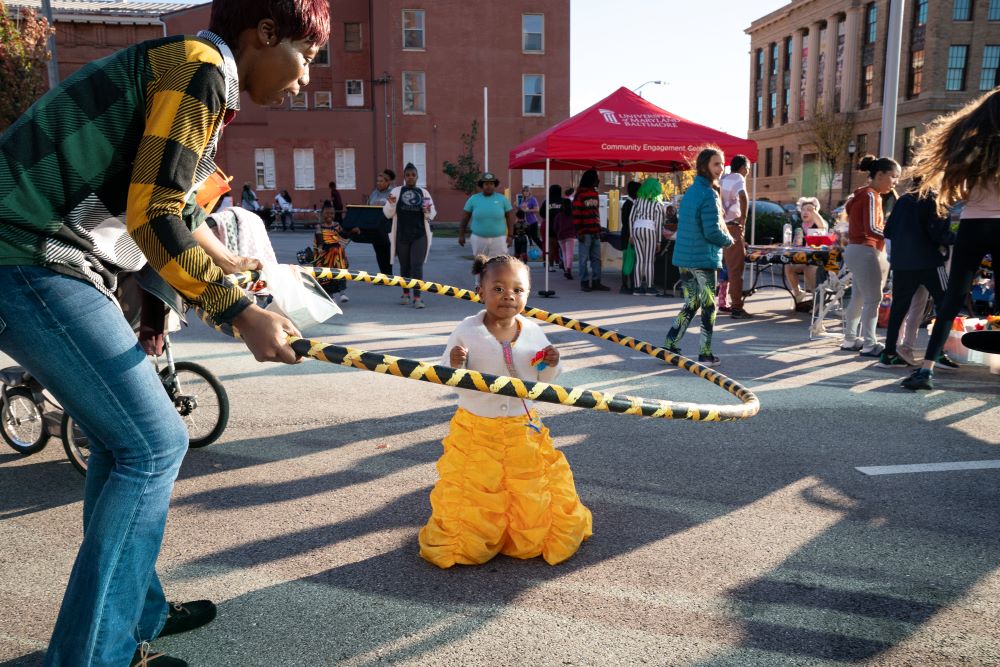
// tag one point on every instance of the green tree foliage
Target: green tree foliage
(465, 173)
(24, 55)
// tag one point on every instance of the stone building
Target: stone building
(813, 56)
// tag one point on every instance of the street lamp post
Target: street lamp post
(852, 148)
(658, 83)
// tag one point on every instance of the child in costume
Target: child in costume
(520, 237)
(328, 249)
(503, 487)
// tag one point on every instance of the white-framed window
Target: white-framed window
(533, 33)
(354, 90)
(417, 155)
(304, 173)
(413, 29)
(300, 101)
(322, 56)
(533, 93)
(264, 166)
(414, 92)
(533, 178)
(322, 99)
(344, 169)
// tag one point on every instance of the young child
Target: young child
(329, 253)
(520, 237)
(503, 487)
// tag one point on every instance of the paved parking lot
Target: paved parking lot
(749, 543)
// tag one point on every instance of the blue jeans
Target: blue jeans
(590, 251)
(78, 345)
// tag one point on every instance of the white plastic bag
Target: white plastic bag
(297, 295)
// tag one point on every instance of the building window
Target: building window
(774, 59)
(352, 36)
(909, 135)
(304, 175)
(533, 92)
(772, 109)
(354, 90)
(264, 166)
(413, 29)
(991, 62)
(768, 161)
(871, 23)
(344, 169)
(533, 178)
(759, 112)
(784, 108)
(760, 65)
(867, 85)
(862, 144)
(781, 160)
(920, 13)
(414, 92)
(916, 73)
(322, 99)
(962, 10)
(993, 13)
(300, 101)
(322, 56)
(416, 154)
(533, 33)
(955, 80)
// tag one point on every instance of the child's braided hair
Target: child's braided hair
(481, 263)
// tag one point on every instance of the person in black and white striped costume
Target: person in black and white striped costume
(646, 220)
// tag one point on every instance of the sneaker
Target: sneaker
(906, 355)
(891, 360)
(405, 300)
(852, 345)
(725, 309)
(599, 287)
(919, 379)
(586, 288)
(182, 617)
(568, 275)
(875, 350)
(145, 656)
(344, 298)
(418, 303)
(741, 315)
(552, 269)
(708, 360)
(944, 361)
(672, 348)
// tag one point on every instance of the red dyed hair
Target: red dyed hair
(295, 19)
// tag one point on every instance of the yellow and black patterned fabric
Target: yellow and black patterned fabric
(828, 258)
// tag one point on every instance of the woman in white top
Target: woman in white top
(411, 209)
(646, 221)
(959, 158)
(812, 223)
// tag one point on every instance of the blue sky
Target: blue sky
(697, 46)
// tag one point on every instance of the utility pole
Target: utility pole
(53, 62)
(890, 95)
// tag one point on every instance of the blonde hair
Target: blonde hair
(807, 200)
(960, 152)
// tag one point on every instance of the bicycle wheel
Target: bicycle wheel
(200, 399)
(22, 424)
(76, 444)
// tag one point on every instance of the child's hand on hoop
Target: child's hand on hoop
(458, 356)
(551, 357)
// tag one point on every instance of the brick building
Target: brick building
(812, 55)
(399, 82)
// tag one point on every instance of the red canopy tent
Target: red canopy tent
(624, 132)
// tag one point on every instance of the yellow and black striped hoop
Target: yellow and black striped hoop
(514, 387)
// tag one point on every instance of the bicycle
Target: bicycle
(23, 401)
(197, 394)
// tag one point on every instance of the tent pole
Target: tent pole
(753, 218)
(548, 232)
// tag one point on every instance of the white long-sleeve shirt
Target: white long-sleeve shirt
(486, 356)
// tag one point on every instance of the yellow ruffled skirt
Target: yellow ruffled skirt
(503, 489)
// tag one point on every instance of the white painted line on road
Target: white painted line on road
(929, 467)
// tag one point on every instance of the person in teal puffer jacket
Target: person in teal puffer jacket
(701, 236)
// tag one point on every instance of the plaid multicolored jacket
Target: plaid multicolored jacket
(121, 144)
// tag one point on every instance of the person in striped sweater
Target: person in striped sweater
(587, 218)
(647, 218)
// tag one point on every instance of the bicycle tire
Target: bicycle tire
(18, 407)
(221, 402)
(73, 445)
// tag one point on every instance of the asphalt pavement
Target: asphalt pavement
(749, 543)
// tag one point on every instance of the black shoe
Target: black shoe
(673, 349)
(891, 360)
(919, 379)
(586, 287)
(145, 656)
(598, 287)
(944, 361)
(187, 616)
(741, 315)
(708, 360)
(568, 275)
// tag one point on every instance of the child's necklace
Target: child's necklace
(508, 358)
